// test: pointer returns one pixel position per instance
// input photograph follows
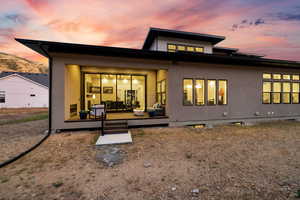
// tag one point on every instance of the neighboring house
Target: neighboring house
(23, 90)
(195, 81)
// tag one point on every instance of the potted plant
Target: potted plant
(83, 114)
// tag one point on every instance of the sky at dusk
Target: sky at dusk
(268, 27)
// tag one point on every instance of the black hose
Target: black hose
(25, 152)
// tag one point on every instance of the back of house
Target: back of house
(177, 78)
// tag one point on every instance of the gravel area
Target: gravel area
(225, 162)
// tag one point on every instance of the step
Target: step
(112, 123)
(115, 131)
(115, 127)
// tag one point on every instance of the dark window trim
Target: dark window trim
(200, 79)
(193, 96)
(226, 92)
(185, 45)
(216, 90)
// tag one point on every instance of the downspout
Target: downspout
(7, 162)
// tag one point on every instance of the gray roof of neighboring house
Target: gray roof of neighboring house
(38, 78)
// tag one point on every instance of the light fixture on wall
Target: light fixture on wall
(94, 96)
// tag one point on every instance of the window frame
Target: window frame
(282, 92)
(292, 92)
(186, 46)
(4, 96)
(204, 93)
(217, 86)
(193, 95)
(216, 92)
(270, 93)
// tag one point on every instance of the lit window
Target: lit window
(199, 49)
(286, 96)
(276, 92)
(277, 76)
(286, 77)
(188, 92)
(295, 94)
(211, 92)
(295, 77)
(222, 92)
(190, 49)
(267, 92)
(180, 48)
(266, 76)
(199, 92)
(171, 47)
(2, 96)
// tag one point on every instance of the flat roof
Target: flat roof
(45, 48)
(155, 32)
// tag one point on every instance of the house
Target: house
(196, 82)
(23, 90)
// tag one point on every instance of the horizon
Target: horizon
(269, 28)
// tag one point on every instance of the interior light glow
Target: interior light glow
(104, 80)
(211, 84)
(198, 86)
(125, 81)
(189, 86)
(94, 96)
(135, 81)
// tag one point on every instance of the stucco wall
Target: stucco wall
(244, 93)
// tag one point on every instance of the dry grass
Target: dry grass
(227, 162)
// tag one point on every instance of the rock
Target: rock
(147, 164)
(109, 156)
(188, 155)
(195, 191)
(173, 188)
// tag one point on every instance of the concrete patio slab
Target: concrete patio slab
(119, 138)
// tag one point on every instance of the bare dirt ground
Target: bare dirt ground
(226, 162)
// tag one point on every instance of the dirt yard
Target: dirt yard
(17, 137)
(226, 162)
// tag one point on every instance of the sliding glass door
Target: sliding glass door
(119, 92)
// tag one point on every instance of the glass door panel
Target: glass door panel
(138, 92)
(109, 91)
(92, 90)
(123, 92)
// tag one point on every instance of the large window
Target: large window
(280, 88)
(2, 96)
(211, 92)
(295, 94)
(188, 92)
(267, 92)
(222, 92)
(188, 48)
(286, 95)
(199, 92)
(276, 95)
(161, 92)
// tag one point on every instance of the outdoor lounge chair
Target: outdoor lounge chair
(156, 110)
(97, 111)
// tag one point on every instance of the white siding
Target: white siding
(18, 91)
(160, 44)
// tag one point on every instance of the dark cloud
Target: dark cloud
(245, 23)
(16, 18)
(288, 16)
(259, 21)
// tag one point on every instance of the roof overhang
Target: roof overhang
(46, 48)
(155, 32)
